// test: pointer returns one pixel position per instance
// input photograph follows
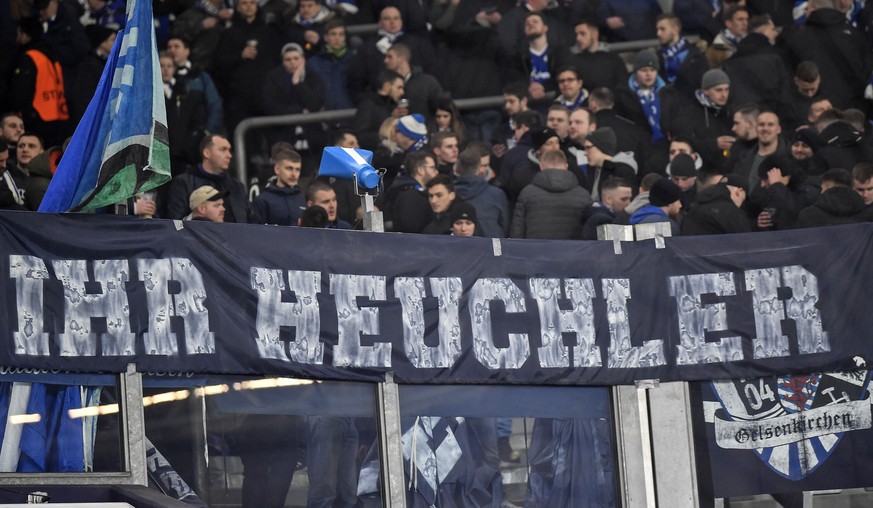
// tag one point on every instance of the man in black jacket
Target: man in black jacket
(707, 124)
(837, 204)
(406, 205)
(212, 170)
(717, 210)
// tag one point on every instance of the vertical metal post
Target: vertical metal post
(673, 445)
(133, 425)
(390, 445)
(197, 409)
(373, 220)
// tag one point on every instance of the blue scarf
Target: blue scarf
(651, 104)
(732, 39)
(575, 103)
(673, 57)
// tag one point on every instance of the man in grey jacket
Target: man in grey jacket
(551, 206)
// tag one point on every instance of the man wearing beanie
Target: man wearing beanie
(707, 124)
(600, 148)
(683, 173)
(464, 221)
(410, 133)
(682, 63)
(664, 206)
(647, 85)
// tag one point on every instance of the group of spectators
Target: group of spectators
(759, 122)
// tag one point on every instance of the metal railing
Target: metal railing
(344, 114)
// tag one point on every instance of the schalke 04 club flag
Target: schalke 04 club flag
(120, 147)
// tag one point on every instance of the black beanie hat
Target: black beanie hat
(540, 136)
(664, 192)
(683, 165)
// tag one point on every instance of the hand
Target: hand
(492, 18)
(537, 91)
(775, 176)
(400, 111)
(250, 52)
(225, 14)
(615, 22)
(765, 220)
(725, 142)
(144, 208)
(297, 76)
(498, 149)
(210, 22)
(311, 36)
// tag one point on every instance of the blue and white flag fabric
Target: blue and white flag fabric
(120, 147)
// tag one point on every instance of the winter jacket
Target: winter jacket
(714, 213)
(837, 205)
(550, 207)
(702, 124)
(278, 205)
(406, 205)
(651, 214)
(236, 208)
(491, 204)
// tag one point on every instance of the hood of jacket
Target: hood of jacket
(840, 202)
(555, 180)
(648, 211)
(839, 133)
(713, 194)
(469, 186)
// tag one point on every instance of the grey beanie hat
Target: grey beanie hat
(714, 77)
(646, 58)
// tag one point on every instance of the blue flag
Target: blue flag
(121, 146)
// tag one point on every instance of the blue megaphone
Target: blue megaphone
(349, 164)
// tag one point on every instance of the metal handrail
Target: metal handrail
(344, 114)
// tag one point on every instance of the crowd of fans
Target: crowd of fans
(759, 122)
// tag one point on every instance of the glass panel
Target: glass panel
(62, 424)
(493, 446)
(271, 442)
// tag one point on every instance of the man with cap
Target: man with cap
(682, 63)
(683, 173)
(664, 205)
(707, 124)
(601, 147)
(464, 221)
(718, 209)
(206, 203)
(551, 206)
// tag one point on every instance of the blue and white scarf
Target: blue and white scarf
(651, 104)
(673, 57)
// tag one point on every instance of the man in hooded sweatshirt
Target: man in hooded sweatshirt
(551, 206)
(837, 204)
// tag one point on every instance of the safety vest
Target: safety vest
(48, 100)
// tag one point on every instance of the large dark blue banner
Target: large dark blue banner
(94, 293)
